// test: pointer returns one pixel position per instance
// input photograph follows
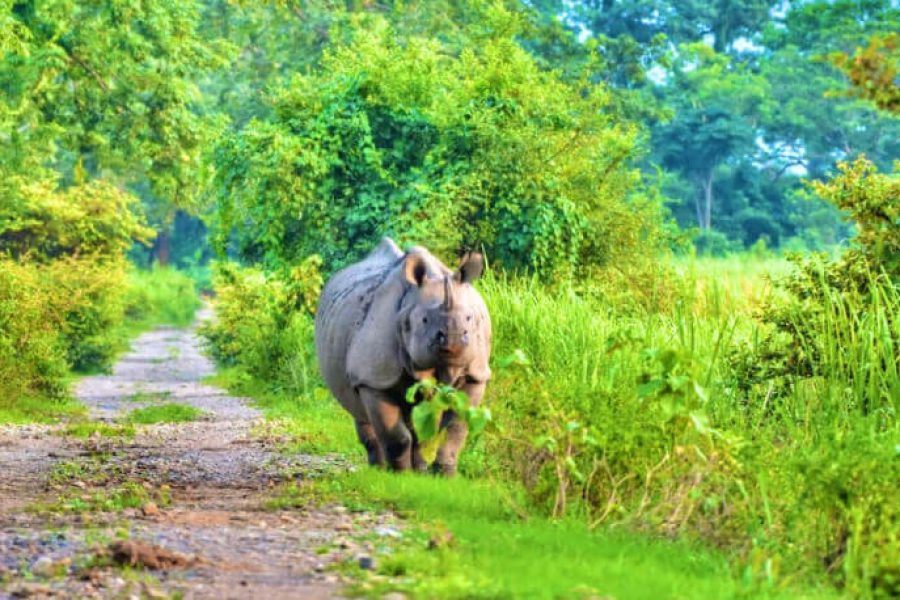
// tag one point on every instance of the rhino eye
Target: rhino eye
(424, 319)
(469, 318)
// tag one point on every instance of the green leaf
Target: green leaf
(425, 420)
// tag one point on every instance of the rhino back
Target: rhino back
(343, 306)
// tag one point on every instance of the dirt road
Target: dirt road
(196, 489)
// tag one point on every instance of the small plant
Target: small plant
(436, 399)
(131, 494)
(91, 429)
(165, 413)
(150, 396)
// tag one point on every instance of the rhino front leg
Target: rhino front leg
(369, 440)
(457, 431)
(418, 461)
(393, 435)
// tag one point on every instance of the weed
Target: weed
(91, 429)
(35, 409)
(143, 396)
(130, 494)
(165, 413)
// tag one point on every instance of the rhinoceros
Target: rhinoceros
(391, 320)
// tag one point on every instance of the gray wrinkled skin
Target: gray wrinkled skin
(390, 320)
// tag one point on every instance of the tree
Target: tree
(717, 105)
(815, 128)
(400, 135)
(874, 71)
(680, 21)
(106, 89)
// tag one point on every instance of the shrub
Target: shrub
(90, 298)
(40, 221)
(65, 291)
(160, 296)
(404, 136)
(32, 354)
(263, 323)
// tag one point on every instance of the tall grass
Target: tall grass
(641, 421)
(621, 417)
(161, 296)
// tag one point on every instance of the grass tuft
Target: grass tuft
(89, 429)
(165, 413)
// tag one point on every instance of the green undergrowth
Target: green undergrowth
(502, 547)
(116, 498)
(171, 412)
(90, 429)
(36, 409)
(475, 539)
(161, 296)
(61, 322)
(690, 421)
(98, 483)
(150, 396)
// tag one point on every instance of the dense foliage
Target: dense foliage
(636, 420)
(398, 136)
(558, 138)
(754, 103)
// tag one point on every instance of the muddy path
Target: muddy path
(197, 490)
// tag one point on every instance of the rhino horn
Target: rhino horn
(448, 294)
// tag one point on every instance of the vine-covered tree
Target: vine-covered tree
(409, 136)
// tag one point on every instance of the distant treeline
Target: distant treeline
(458, 121)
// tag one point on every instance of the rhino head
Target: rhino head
(442, 323)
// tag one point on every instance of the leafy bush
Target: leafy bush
(160, 296)
(263, 323)
(403, 136)
(32, 357)
(66, 295)
(40, 221)
(76, 314)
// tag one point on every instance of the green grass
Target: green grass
(88, 429)
(31, 409)
(162, 296)
(150, 396)
(496, 551)
(165, 413)
(116, 498)
(650, 422)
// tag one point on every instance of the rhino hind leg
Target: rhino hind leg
(390, 428)
(369, 440)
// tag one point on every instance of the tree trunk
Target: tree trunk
(707, 201)
(698, 208)
(161, 248)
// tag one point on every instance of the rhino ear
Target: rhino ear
(414, 269)
(470, 268)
